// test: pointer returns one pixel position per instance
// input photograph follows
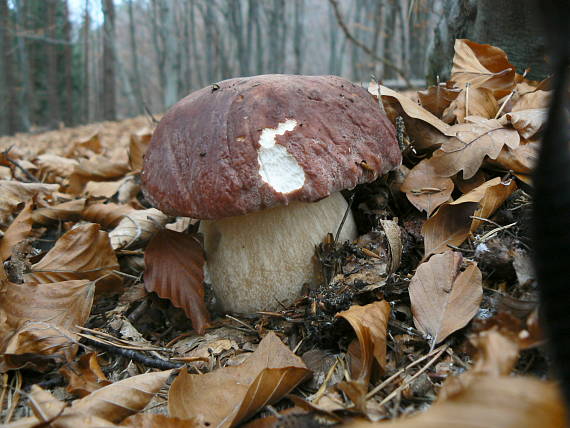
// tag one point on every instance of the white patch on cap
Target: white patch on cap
(276, 165)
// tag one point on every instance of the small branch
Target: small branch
(152, 362)
(27, 173)
(366, 49)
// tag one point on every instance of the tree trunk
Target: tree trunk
(68, 62)
(52, 89)
(299, 30)
(109, 60)
(171, 58)
(86, 24)
(8, 108)
(136, 76)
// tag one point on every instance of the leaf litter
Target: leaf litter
(430, 314)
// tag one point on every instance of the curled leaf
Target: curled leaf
(136, 228)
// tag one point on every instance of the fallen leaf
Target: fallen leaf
(104, 189)
(466, 185)
(85, 375)
(12, 193)
(96, 168)
(444, 298)
(520, 160)
(472, 143)
(497, 354)
(528, 122)
(64, 211)
(153, 420)
(411, 108)
(107, 215)
(238, 392)
(84, 252)
(482, 65)
(42, 319)
(437, 98)
(18, 230)
(137, 147)
(54, 413)
(136, 228)
(498, 402)
(85, 146)
(174, 269)
(118, 400)
(471, 102)
(425, 189)
(53, 168)
(370, 323)
(449, 226)
(532, 100)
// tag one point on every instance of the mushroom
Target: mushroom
(261, 161)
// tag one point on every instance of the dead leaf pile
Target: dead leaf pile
(102, 296)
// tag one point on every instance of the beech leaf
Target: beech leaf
(444, 298)
(174, 269)
(64, 211)
(482, 65)
(136, 228)
(107, 215)
(229, 395)
(18, 230)
(436, 99)
(81, 253)
(425, 189)
(471, 144)
(471, 102)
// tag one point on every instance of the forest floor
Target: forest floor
(429, 318)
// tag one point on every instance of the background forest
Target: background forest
(69, 62)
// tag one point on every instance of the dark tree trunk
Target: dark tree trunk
(108, 95)
(68, 61)
(52, 89)
(496, 22)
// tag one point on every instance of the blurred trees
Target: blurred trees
(71, 62)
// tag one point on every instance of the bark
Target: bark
(68, 67)
(109, 61)
(8, 108)
(196, 53)
(298, 34)
(86, 58)
(234, 17)
(171, 47)
(512, 28)
(52, 89)
(136, 76)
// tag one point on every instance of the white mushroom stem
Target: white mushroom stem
(260, 260)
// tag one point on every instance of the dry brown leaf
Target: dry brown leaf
(425, 189)
(107, 215)
(43, 317)
(482, 65)
(370, 323)
(174, 269)
(96, 168)
(471, 102)
(472, 143)
(490, 196)
(84, 252)
(85, 375)
(153, 420)
(229, 395)
(118, 400)
(137, 147)
(53, 168)
(465, 186)
(532, 100)
(452, 223)
(443, 298)
(497, 353)
(12, 193)
(136, 228)
(528, 122)
(497, 402)
(104, 189)
(411, 108)
(449, 226)
(65, 211)
(436, 99)
(18, 230)
(54, 413)
(85, 146)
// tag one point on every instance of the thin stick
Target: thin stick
(414, 377)
(399, 372)
(351, 200)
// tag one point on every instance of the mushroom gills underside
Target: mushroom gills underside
(261, 260)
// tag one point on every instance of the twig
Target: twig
(134, 355)
(351, 200)
(366, 49)
(378, 388)
(20, 167)
(404, 385)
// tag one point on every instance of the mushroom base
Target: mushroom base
(261, 260)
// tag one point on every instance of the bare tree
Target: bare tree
(68, 67)
(109, 61)
(86, 25)
(298, 34)
(7, 87)
(52, 89)
(135, 72)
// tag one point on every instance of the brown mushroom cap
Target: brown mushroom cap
(251, 143)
